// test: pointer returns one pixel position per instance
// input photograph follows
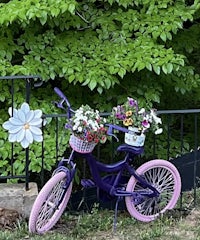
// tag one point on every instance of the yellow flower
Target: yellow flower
(129, 113)
(128, 122)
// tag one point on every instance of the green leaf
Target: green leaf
(100, 90)
(107, 83)
(149, 66)
(2, 98)
(183, 90)
(141, 66)
(112, 70)
(181, 62)
(70, 70)
(164, 68)
(86, 82)
(92, 84)
(169, 35)
(52, 75)
(64, 69)
(155, 34)
(71, 8)
(55, 12)
(122, 72)
(43, 18)
(71, 78)
(156, 98)
(156, 69)
(163, 36)
(169, 67)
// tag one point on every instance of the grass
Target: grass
(99, 225)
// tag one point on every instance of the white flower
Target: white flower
(87, 113)
(74, 127)
(80, 129)
(90, 122)
(24, 125)
(156, 119)
(142, 110)
(158, 131)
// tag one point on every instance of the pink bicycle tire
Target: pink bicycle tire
(40, 224)
(169, 174)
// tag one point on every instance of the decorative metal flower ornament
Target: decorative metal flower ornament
(24, 125)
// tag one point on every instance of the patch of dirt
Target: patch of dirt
(8, 218)
(188, 227)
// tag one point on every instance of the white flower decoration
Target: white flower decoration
(24, 125)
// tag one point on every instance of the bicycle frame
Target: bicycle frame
(97, 167)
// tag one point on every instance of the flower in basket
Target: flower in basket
(88, 125)
(130, 115)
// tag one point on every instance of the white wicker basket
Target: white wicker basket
(81, 146)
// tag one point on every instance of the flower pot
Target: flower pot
(134, 137)
(80, 145)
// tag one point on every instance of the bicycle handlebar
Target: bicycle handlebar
(62, 101)
(62, 95)
(112, 127)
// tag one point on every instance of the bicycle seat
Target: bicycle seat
(128, 148)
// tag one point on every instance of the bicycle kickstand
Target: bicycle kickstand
(115, 215)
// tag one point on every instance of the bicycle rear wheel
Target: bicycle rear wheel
(45, 211)
(164, 176)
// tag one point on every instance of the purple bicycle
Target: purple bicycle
(149, 191)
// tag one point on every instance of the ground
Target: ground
(175, 225)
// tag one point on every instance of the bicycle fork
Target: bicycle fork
(70, 173)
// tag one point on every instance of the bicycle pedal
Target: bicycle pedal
(86, 183)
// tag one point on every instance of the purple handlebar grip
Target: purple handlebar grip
(59, 92)
(61, 95)
(111, 127)
(122, 129)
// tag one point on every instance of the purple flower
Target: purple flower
(120, 109)
(145, 124)
(120, 116)
(68, 126)
(132, 103)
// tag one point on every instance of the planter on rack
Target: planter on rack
(134, 137)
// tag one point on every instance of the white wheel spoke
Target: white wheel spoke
(162, 179)
(50, 205)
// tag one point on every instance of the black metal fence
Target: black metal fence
(12, 82)
(179, 142)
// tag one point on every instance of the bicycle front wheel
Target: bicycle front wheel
(45, 211)
(164, 176)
